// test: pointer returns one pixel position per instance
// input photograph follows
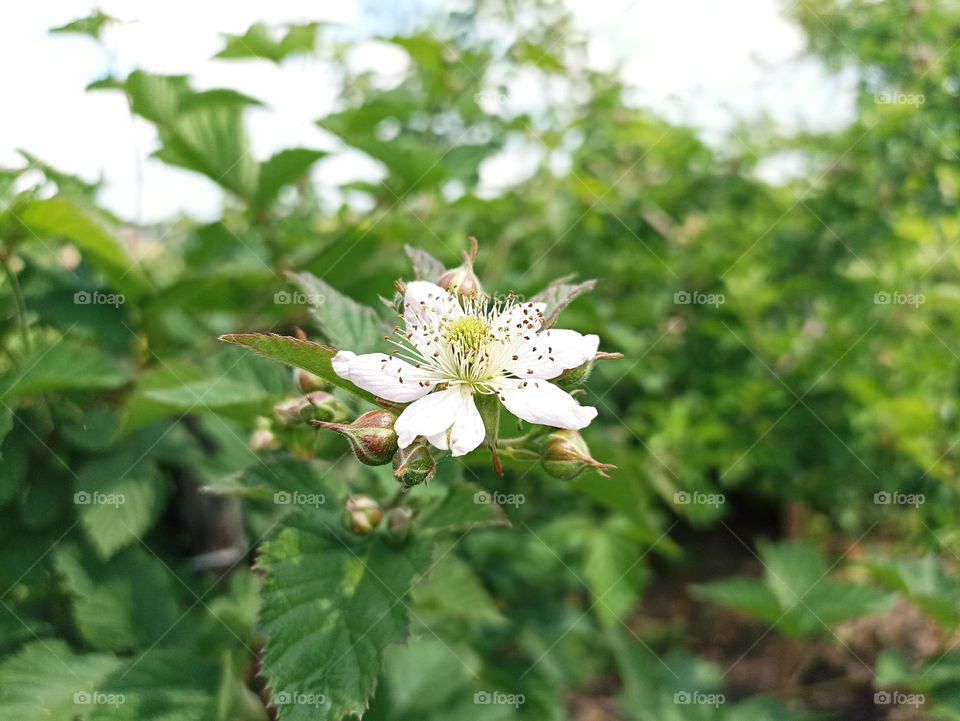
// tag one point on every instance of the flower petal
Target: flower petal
(429, 416)
(537, 401)
(386, 377)
(550, 353)
(449, 419)
(520, 320)
(425, 306)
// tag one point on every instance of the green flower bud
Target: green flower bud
(573, 377)
(399, 521)
(263, 439)
(566, 455)
(361, 514)
(372, 436)
(309, 382)
(462, 281)
(414, 465)
(316, 406)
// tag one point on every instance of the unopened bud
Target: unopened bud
(372, 436)
(263, 439)
(399, 521)
(414, 465)
(361, 514)
(316, 406)
(566, 455)
(309, 382)
(462, 281)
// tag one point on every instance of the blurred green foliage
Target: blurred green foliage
(786, 407)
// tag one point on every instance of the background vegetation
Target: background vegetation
(780, 540)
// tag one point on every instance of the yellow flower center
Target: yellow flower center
(468, 333)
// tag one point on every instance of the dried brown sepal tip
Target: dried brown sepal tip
(414, 464)
(361, 515)
(462, 281)
(371, 436)
(566, 455)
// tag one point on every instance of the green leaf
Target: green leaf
(558, 295)
(46, 680)
(61, 218)
(212, 141)
(298, 353)
(284, 168)
(792, 569)
(614, 571)
(91, 25)
(118, 498)
(120, 605)
(465, 506)
(65, 366)
(453, 594)
(425, 266)
(6, 425)
(344, 322)
(332, 602)
(258, 42)
(743, 594)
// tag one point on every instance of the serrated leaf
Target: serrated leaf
(344, 322)
(330, 607)
(46, 680)
(91, 25)
(558, 295)
(792, 569)
(615, 573)
(747, 595)
(60, 218)
(298, 353)
(465, 506)
(258, 42)
(118, 498)
(65, 366)
(284, 168)
(425, 266)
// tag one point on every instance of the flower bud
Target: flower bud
(399, 521)
(316, 406)
(414, 465)
(263, 439)
(566, 456)
(462, 281)
(309, 382)
(361, 514)
(372, 436)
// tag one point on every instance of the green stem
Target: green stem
(18, 299)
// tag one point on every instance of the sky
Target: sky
(734, 60)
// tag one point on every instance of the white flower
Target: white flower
(450, 352)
